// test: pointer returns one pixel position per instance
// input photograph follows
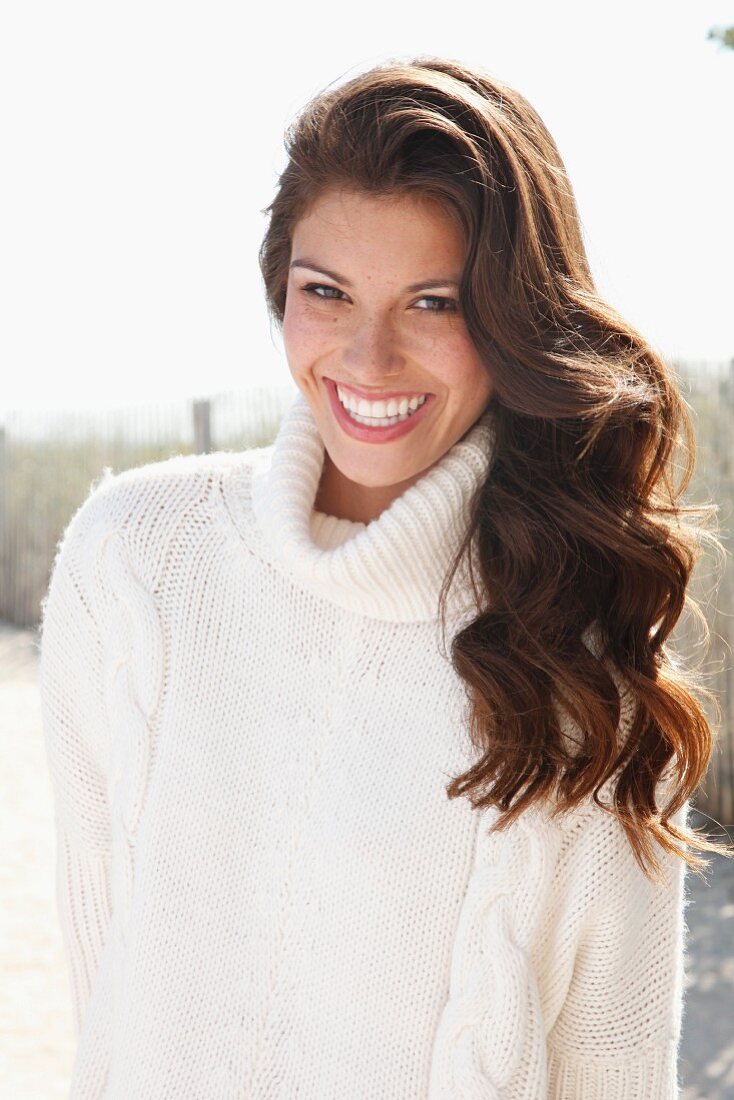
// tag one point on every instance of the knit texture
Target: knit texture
(262, 887)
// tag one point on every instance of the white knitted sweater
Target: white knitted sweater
(263, 888)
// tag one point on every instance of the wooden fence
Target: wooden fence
(48, 465)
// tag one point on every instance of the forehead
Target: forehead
(342, 219)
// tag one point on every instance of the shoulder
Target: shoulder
(142, 507)
(172, 483)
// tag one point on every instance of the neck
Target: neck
(394, 565)
(338, 496)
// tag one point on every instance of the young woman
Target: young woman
(306, 848)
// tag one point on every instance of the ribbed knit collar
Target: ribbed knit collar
(391, 568)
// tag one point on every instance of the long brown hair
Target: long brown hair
(579, 537)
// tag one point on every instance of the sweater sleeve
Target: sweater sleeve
(74, 729)
(567, 970)
(618, 1030)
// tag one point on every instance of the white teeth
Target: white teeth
(379, 413)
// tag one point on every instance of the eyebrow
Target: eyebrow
(428, 284)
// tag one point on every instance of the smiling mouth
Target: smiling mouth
(382, 412)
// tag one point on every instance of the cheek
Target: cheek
(304, 335)
(292, 322)
(457, 362)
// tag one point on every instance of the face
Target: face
(372, 319)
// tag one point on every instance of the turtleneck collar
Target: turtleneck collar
(391, 568)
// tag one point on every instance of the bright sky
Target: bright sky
(141, 141)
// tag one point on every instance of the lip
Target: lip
(383, 395)
(374, 435)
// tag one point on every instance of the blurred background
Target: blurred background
(141, 144)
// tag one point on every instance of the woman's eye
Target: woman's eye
(332, 293)
(313, 288)
(445, 305)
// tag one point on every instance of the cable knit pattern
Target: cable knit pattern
(262, 887)
(493, 1019)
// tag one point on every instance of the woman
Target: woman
(303, 852)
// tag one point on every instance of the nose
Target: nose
(372, 354)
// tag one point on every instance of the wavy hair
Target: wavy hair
(578, 546)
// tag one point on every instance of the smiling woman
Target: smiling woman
(303, 852)
(383, 340)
